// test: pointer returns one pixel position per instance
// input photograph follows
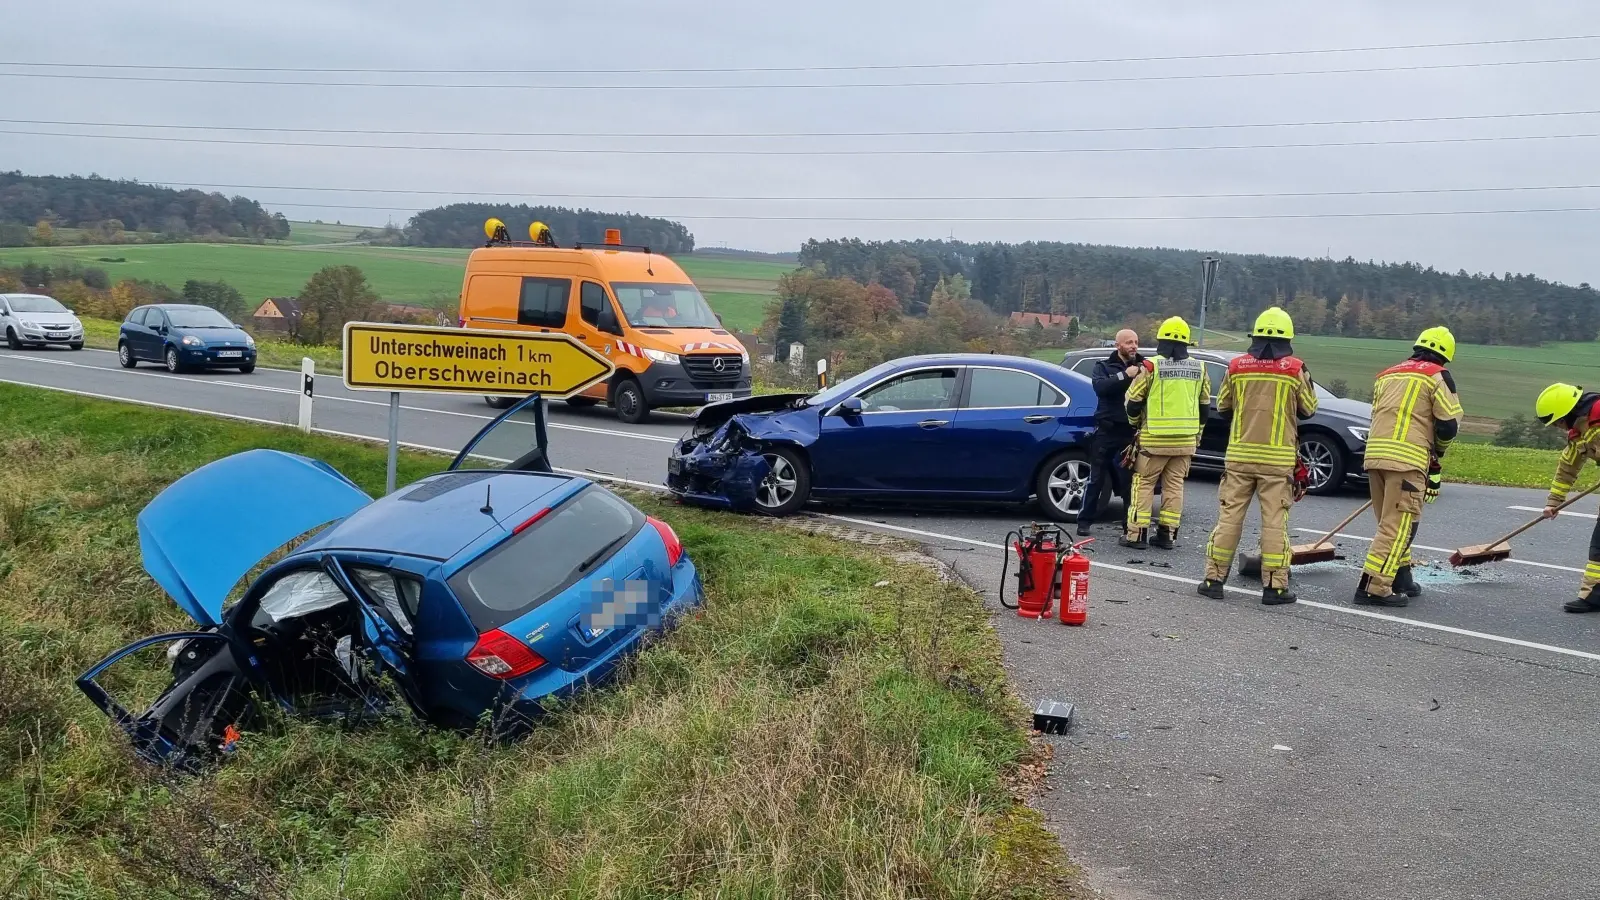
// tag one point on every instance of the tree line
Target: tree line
(34, 207)
(1104, 285)
(461, 225)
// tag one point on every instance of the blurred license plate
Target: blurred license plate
(718, 398)
(57, 335)
(674, 465)
(229, 354)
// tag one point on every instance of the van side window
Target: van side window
(591, 300)
(543, 302)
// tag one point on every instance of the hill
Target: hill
(112, 208)
(1105, 284)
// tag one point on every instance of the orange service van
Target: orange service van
(636, 308)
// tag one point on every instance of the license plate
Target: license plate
(718, 398)
(229, 354)
(674, 465)
(59, 336)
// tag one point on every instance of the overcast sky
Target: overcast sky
(631, 34)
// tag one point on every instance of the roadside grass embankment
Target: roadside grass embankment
(835, 722)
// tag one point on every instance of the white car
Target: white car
(36, 320)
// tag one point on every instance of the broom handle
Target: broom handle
(1571, 500)
(1340, 527)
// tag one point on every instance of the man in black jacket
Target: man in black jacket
(1112, 433)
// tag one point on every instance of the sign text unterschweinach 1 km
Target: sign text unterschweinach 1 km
(380, 357)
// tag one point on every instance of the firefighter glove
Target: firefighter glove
(1302, 479)
(1435, 479)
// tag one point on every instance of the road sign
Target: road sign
(382, 357)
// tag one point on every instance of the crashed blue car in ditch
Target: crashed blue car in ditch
(957, 427)
(484, 589)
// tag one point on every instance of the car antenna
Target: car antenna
(488, 507)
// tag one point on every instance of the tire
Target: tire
(125, 355)
(581, 402)
(77, 346)
(174, 364)
(1059, 486)
(12, 340)
(627, 398)
(246, 370)
(1324, 459)
(498, 402)
(787, 486)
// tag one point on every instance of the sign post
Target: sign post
(308, 377)
(1208, 277)
(441, 360)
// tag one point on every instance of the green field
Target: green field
(737, 289)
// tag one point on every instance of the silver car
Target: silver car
(34, 320)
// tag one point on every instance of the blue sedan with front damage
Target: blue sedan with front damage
(470, 595)
(960, 427)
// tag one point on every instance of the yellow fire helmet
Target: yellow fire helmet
(1174, 329)
(495, 230)
(539, 233)
(1556, 402)
(1274, 323)
(1439, 340)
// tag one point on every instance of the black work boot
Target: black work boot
(1365, 597)
(1405, 584)
(1277, 596)
(1211, 589)
(1165, 539)
(1580, 605)
(1083, 527)
(1138, 543)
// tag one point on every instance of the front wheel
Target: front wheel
(246, 370)
(581, 402)
(787, 485)
(12, 340)
(125, 356)
(498, 402)
(628, 400)
(1324, 460)
(174, 364)
(1061, 485)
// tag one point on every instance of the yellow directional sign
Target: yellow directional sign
(380, 357)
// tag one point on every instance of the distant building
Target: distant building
(277, 315)
(1046, 320)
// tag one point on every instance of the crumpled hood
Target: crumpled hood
(275, 496)
(712, 415)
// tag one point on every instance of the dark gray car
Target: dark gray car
(1332, 442)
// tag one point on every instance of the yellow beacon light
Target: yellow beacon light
(495, 230)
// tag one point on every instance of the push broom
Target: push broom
(1479, 554)
(1321, 550)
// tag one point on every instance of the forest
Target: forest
(32, 207)
(1104, 285)
(461, 225)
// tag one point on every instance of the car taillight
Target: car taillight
(670, 538)
(499, 655)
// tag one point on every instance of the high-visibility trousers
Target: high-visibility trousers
(1591, 572)
(1274, 491)
(1148, 470)
(1397, 501)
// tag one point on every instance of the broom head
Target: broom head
(1479, 554)
(1305, 554)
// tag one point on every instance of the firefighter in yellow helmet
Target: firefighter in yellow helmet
(1167, 404)
(1415, 416)
(1578, 411)
(1266, 392)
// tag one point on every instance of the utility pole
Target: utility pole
(1208, 278)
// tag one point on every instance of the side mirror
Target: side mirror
(850, 406)
(608, 320)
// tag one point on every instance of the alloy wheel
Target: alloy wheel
(1067, 483)
(779, 486)
(1318, 458)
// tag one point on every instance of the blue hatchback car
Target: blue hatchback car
(962, 427)
(182, 336)
(476, 591)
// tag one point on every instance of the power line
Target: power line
(1109, 79)
(914, 151)
(802, 134)
(792, 69)
(883, 199)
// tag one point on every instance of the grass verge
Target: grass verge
(835, 723)
(1473, 463)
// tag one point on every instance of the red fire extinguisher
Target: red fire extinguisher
(1075, 585)
(1038, 551)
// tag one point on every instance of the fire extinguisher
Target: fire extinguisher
(1075, 584)
(1038, 551)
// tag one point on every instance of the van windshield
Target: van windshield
(648, 304)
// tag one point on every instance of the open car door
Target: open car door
(516, 439)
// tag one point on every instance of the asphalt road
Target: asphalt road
(1169, 786)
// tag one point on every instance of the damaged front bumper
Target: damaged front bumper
(718, 470)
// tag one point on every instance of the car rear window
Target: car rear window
(546, 559)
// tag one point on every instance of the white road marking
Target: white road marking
(934, 535)
(1564, 512)
(278, 390)
(1520, 562)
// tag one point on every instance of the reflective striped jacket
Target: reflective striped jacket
(1165, 404)
(1408, 403)
(1583, 444)
(1267, 398)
